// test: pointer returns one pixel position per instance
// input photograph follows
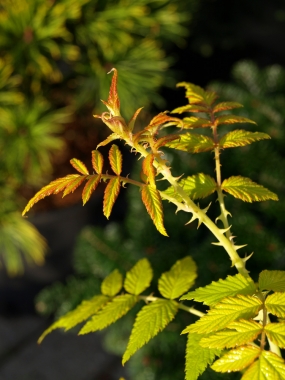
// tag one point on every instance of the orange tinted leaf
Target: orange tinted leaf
(79, 166)
(52, 188)
(133, 119)
(90, 186)
(113, 103)
(162, 120)
(110, 195)
(232, 119)
(191, 108)
(115, 158)
(97, 161)
(196, 122)
(224, 106)
(73, 185)
(152, 201)
(111, 137)
(165, 140)
(149, 169)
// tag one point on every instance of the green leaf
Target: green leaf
(236, 359)
(73, 185)
(196, 186)
(275, 304)
(197, 94)
(97, 161)
(192, 143)
(179, 279)
(232, 119)
(152, 201)
(225, 312)
(269, 367)
(272, 280)
(78, 315)
(196, 122)
(191, 108)
(216, 291)
(245, 332)
(240, 137)
(89, 187)
(139, 277)
(116, 159)
(79, 166)
(113, 311)
(276, 333)
(110, 195)
(197, 357)
(112, 284)
(224, 106)
(152, 319)
(245, 189)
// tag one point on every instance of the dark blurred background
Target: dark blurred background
(54, 59)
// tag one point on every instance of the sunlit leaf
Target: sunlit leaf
(248, 191)
(73, 185)
(191, 108)
(179, 279)
(152, 319)
(139, 277)
(268, 367)
(111, 137)
(110, 195)
(116, 159)
(149, 169)
(225, 312)
(162, 120)
(276, 333)
(152, 201)
(89, 187)
(79, 166)
(113, 311)
(197, 357)
(236, 359)
(163, 141)
(112, 284)
(192, 143)
(113, 102)
(275, 304)
(97, 161)
(272, 280)
(85, 310)
(217, 290)
(133, 120)
(196, 122)
(240, 137)
(239, 333)
(232, 119)
(197, 95)
(224, 106)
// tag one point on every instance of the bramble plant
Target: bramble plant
(236, 334)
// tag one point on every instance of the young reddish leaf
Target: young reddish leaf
(152, 201)
(52, 188)
(111, 137)
(232, 119)
(224, 106)
(133, 119)
(192, 143)
(191, 108)
(97, 161)
(79, 166)
(110, 195)
(248, 191)
(113, 103)
(73, 185)
(116, 159)
(240, 137)
(162, 120)
(149, 169)
(165, 140)
(90, 186)
(196, 122)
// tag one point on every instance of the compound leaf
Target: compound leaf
(89, 187)
(192, 143)
(110, 195)
(272, 280)
(149, 170)
(232, 119)
(244, 331)
(53, 187)
(152, 201)
(73, 185)
(85, 310)
(196, 122)
(113, 311)
(276, 333)
(97, 161)
(79, 166)
(240, 137)
(216, 291)
(197, 357)
(248, 191)
(224, 106)
(152, 319)
(179, 279)
(236, 359)
(139, 277)
(269, 367)
(225, 312)
(275, 304)
(112, 284)
(116, 159)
